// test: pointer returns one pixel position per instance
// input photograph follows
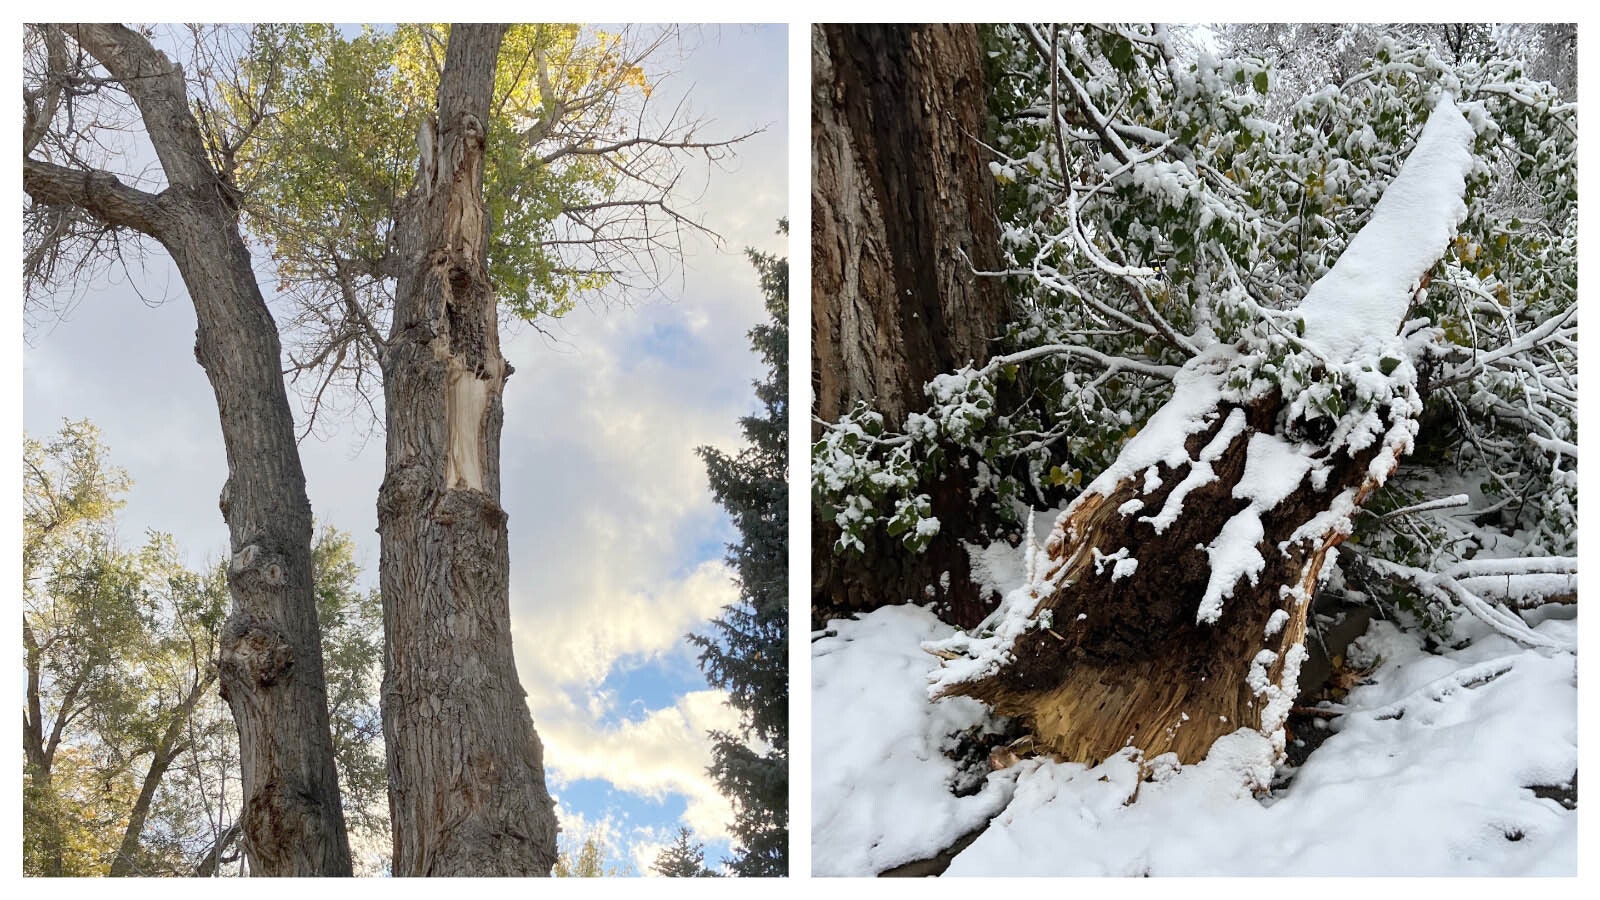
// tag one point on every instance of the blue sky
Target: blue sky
(616, 544)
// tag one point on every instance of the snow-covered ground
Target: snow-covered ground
(1427, 773)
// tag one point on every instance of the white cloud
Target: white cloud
(665, 752)
(646, 850)
(612, 523)
(579, 643)
(609, 546)
(635, 846)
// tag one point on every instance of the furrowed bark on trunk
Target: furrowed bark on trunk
(902, 213)
(466, 776)
(270, 662)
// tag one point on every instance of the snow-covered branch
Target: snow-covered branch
(1521, 579)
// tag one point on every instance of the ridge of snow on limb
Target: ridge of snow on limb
(1371, 285)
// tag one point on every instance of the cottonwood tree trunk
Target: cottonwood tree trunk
(38, 748)
(270, 662)
(466, 779)
(902, 213)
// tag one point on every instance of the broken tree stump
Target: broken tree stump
(1168, 606)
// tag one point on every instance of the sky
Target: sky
(616, 544)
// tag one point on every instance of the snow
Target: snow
(1122, 564)
(1233, 556)
(1273, 468)
(881, 784)
(1195, 391)
(1124, 568)
(1200, 471)
(1428, 772)
(1428, 765)
(1275, 622)
(1370, 287)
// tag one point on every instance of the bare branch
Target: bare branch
(658, 143)
(99, 193)
(40, 105)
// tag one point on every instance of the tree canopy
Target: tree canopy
(131, 757)
(582, 179)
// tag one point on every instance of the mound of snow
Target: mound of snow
(1428, 773)
(880, 782)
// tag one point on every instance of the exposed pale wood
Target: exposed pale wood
(1137, 669)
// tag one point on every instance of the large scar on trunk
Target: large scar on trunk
(465, 401)
(470, 346)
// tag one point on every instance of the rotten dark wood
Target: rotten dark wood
(1126, 661)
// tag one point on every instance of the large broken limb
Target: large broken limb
(1168, 607)
(1127, 644)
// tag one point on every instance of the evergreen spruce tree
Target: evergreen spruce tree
(746, 650)
(683, 858)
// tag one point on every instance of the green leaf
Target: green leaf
(1120, 55)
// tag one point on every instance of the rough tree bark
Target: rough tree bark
(39, 749)
(466, 777)
(902, 212)
(270, 664)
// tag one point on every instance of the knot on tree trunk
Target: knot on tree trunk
(253, 651)
(469, 507)
(282, 828)
(254, 562)
(403, 487)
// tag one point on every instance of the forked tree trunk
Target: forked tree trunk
(902, 213)
(270, 662)
(466, 778)
(217, 853)
(1168, 607)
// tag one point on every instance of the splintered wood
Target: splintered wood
(1126, 660)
